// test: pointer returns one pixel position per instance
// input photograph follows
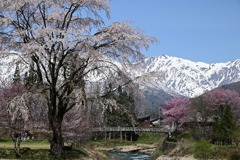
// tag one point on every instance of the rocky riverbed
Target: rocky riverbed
(143, 148)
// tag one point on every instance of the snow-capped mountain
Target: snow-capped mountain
(175, 76)
(183, 77)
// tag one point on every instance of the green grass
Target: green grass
(225, 152)
(26, 154)
(156, 154)
(187, 145)
(158, 150)
(111, 143)
(36, 150)
(40, 154)
(203, 150)
(150, 138)
(31, 144)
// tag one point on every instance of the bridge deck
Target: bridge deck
(134, 129)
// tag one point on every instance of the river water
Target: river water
(117, 155)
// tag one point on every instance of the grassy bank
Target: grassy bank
(183, 145)
(31, 144)
(40, 149)
(37, 150)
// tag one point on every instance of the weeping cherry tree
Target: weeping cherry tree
(65, 42)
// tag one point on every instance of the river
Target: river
(117, 155)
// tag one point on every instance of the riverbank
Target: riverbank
(96, 149)
(176, 158)
(151, 144)
(143, 148)
(147, 143)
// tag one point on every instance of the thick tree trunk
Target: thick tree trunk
(17, 148)
(55, 116)
(56, 141)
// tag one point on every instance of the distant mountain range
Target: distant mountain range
(180, 77)
(163, 77)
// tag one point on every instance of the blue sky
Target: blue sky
(198, 30)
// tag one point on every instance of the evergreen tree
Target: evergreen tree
(224, 126)
(122, 115)
(30, 78)
(16, 76)
(128, 109)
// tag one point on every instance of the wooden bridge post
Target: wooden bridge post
(109, 136)
(131, 136)
(121, 136)
(125, 135)
(105, 135)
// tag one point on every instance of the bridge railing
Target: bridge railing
(134, 129)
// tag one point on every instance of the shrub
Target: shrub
(202, 150)
(235, 155)
(173, 139)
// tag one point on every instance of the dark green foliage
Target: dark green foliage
(178, 135)
(40, 154)
(122, 115)
(202, 150)
(235, 155)
(16, 76)
(30, 78)
(236, 136)
(111, 117)
(223, 127)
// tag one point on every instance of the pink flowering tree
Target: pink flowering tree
(213, 107)
(224, 106)
(212, 103)
(218, 99)
(175, 111)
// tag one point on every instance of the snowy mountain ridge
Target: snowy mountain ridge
(175, 76)
(182, 77)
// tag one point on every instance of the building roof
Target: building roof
(143, 117)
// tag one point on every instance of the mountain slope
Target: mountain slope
(186, 78)
(232, 86)
(171, 75)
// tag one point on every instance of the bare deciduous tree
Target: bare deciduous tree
(57, 38)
